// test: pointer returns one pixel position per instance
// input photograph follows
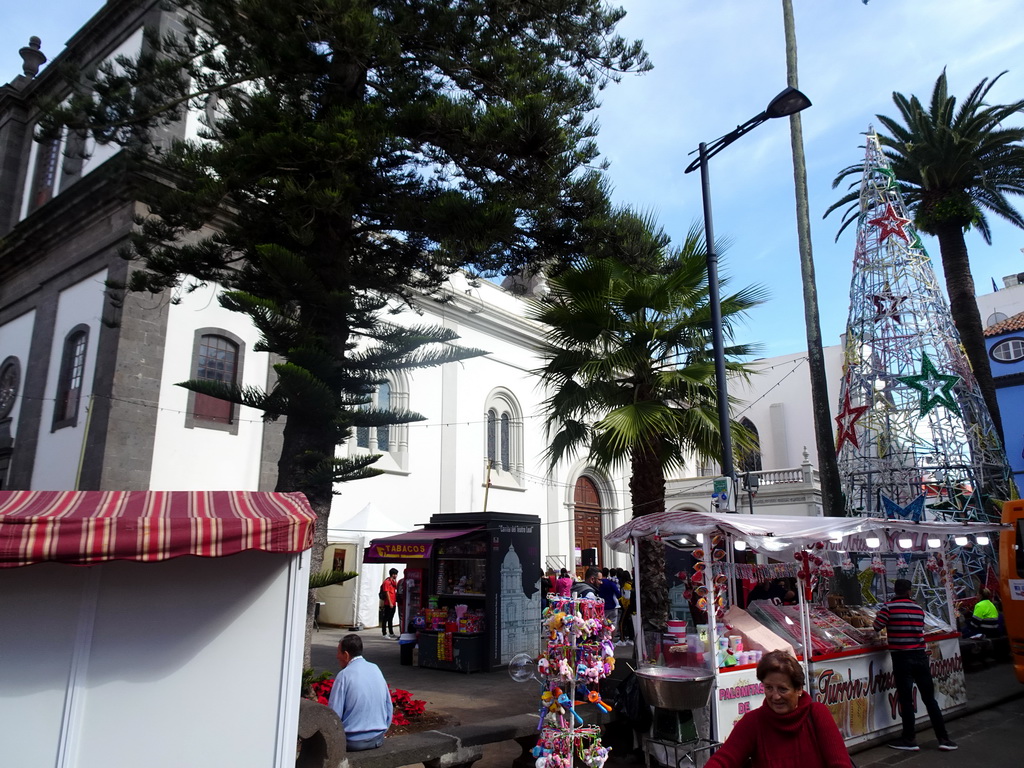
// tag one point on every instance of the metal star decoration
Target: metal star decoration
(891, 223)
(887, 174)
(914, 511)
(935, 388)
(847, 420)
(887, 306)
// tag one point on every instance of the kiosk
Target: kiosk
(478, 602)
(848, 667)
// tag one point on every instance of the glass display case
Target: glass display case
(461, 576)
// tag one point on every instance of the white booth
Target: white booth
(151, 628)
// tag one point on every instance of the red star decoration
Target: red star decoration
(847, 421)
(891, 223)
(887, 305)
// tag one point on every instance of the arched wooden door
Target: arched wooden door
(587, 505)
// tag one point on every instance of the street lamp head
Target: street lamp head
(789, 102)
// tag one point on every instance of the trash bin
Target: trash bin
(406, 643)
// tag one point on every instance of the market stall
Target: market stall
(132, 615)
(840, 570)
(475, 599)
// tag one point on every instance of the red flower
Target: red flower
(406, 706)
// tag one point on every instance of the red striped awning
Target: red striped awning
(83, 527)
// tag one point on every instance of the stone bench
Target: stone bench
(323, 742)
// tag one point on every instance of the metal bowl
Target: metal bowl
(676, 688)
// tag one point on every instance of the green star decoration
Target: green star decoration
(935, 388)
(889, 174)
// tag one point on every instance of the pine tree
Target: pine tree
(353, 155)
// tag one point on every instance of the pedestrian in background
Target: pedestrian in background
(388, 601)
(984, 621)
(588, 588)
(609, 591)
(903, 620)
(626, 629)
(563, 583)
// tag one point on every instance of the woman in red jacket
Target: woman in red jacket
(788, 730)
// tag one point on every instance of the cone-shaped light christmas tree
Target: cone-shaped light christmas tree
(914, 437)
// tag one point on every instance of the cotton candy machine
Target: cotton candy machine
(675, 692)
(676, 688)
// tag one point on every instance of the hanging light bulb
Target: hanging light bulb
(960, 541)
(982, 539)
(934, 542)
(906, 542)
(740, 546)
(872, 542)
(700, 538)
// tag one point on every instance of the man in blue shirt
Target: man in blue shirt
(361, 697)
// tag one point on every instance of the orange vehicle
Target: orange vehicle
(1011, 566)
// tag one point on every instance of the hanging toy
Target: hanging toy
(596, 757)
(565, 703)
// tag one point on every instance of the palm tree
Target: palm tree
(628, 359)
(831, 487)
(953, 166)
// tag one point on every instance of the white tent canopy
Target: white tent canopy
(359, 528)
(770, 534)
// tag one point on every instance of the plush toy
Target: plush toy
(564, 670)
(556, 623)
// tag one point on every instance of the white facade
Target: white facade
(189, 457)
(60, 450)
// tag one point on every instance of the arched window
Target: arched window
(391, 440)
(44, 179)
(750, 461)
(71, 378)
(217, 355)
(382, 434)
(504, 438)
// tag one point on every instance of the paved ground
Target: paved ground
(990, 732)
(992, 737)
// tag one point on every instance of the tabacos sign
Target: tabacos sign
(398, 551)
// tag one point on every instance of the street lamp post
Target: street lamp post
(751, 483)
(786, 103)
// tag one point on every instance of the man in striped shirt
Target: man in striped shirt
(904, 621)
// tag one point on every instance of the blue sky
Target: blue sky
(716, 65)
